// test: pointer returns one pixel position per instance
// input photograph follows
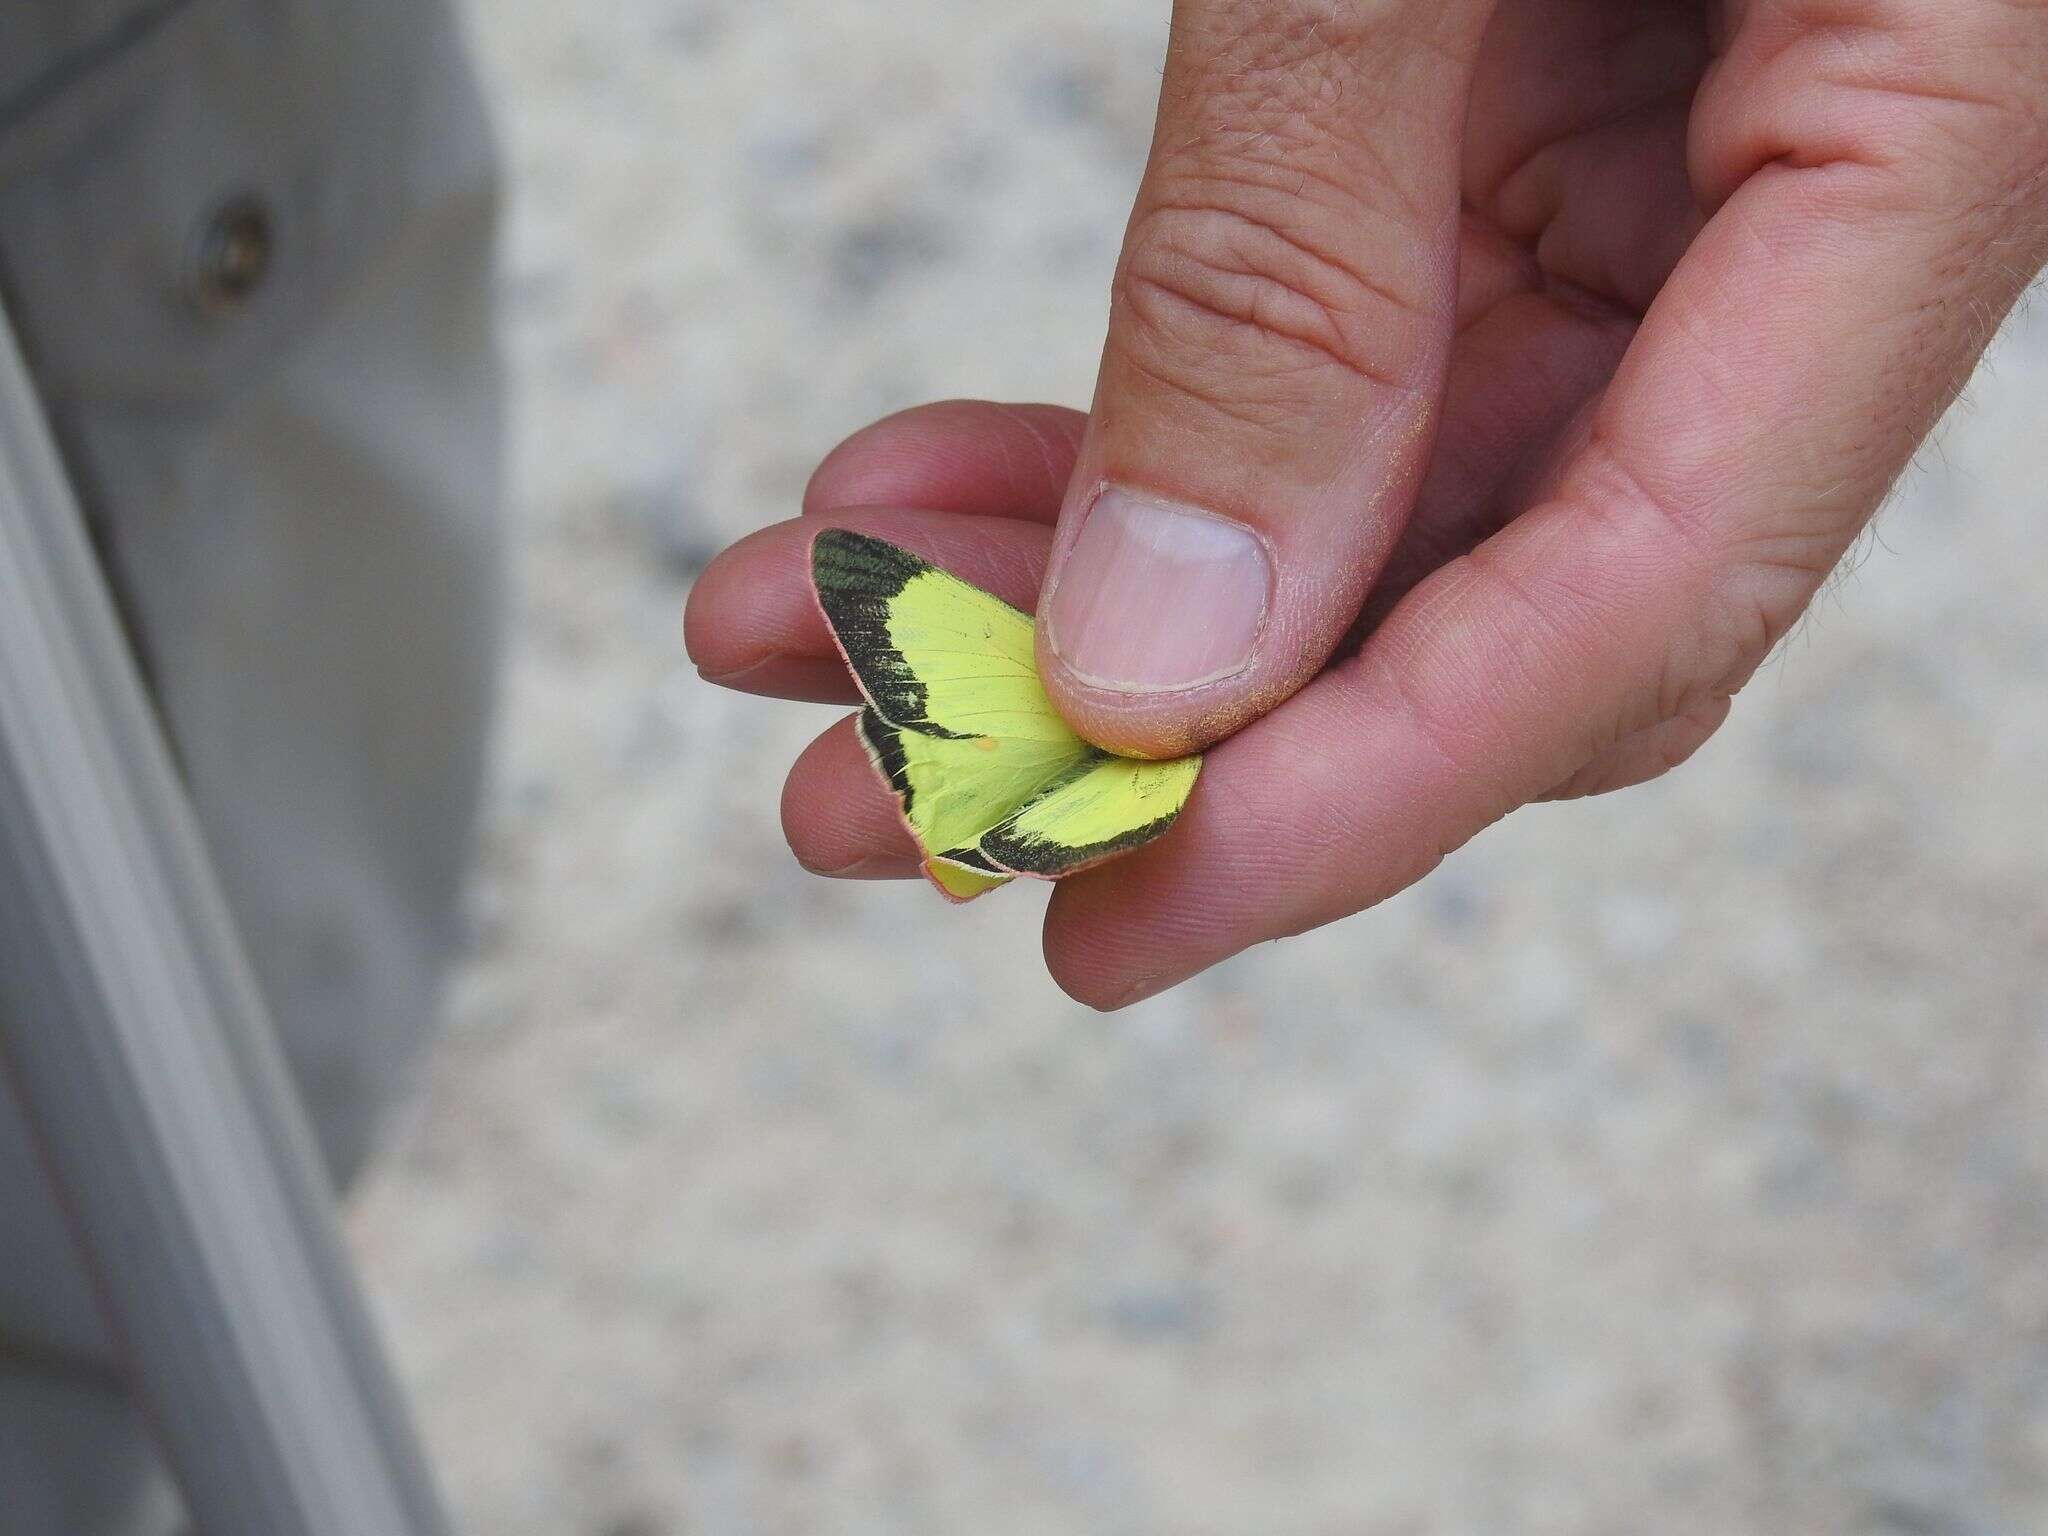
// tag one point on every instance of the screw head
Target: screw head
(236, 250)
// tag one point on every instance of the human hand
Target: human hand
(1568, 342)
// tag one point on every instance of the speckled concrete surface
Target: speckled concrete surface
(1671, 1162)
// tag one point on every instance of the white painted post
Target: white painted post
(135, 1038)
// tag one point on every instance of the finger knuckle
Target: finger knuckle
(1948, 96)
(1250, 310)
(1744, 580)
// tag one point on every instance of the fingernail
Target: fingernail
(1155, 597)
(874, 866)
(737, 677)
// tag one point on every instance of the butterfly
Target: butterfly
(990, 780)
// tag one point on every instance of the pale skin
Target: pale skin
(1570, 342)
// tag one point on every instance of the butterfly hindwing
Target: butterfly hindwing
(959, 882)
(952, 790)
(1110, 806)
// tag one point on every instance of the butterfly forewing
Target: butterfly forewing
(930, 652)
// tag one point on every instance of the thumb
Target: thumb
(1279, 330)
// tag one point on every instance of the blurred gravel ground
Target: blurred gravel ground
(1671, 1162)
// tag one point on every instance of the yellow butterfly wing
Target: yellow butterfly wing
(1114, 804)
(931, 653)
(989, 779)
(951, 790)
